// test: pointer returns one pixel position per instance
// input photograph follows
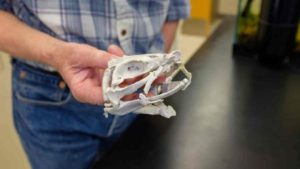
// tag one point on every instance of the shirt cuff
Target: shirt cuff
(6, 6)
(180, 11)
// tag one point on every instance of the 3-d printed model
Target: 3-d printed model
(149, 67)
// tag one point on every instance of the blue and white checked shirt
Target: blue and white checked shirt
(135, 25)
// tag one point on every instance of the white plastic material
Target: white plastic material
(149, 67)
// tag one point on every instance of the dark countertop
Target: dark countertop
(237, 114)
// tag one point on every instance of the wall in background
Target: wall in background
(11, 152)
(228, 7)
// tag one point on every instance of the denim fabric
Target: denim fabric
(56, 131)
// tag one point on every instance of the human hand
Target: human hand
(82, 68)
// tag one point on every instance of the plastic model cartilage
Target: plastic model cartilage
(150, 95)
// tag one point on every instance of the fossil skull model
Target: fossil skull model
(149, 67)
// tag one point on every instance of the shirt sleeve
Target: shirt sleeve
(178, 9)
(5, 5)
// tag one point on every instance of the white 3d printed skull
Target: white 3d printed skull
(150, 67)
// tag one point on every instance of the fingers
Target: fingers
(83, 56)
(115, 50)
(100, 59)
(100, 75)
(86, 86)
(88, 93)
(91, 59)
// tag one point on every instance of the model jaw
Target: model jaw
(150, 66)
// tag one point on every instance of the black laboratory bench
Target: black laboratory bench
(237, 114)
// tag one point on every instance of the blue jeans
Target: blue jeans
(56, 131)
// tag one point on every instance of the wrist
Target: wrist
(53, 54)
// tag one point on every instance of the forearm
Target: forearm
(18, 39)
(80, 65)
(169, 33)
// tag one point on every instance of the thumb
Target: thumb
(98, 59)
(115, 50)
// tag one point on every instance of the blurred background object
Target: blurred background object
(246, 27)
(268, 29)
(277, 30)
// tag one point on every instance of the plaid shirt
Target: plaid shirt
(135, 25)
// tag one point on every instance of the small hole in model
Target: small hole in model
(133, 68)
